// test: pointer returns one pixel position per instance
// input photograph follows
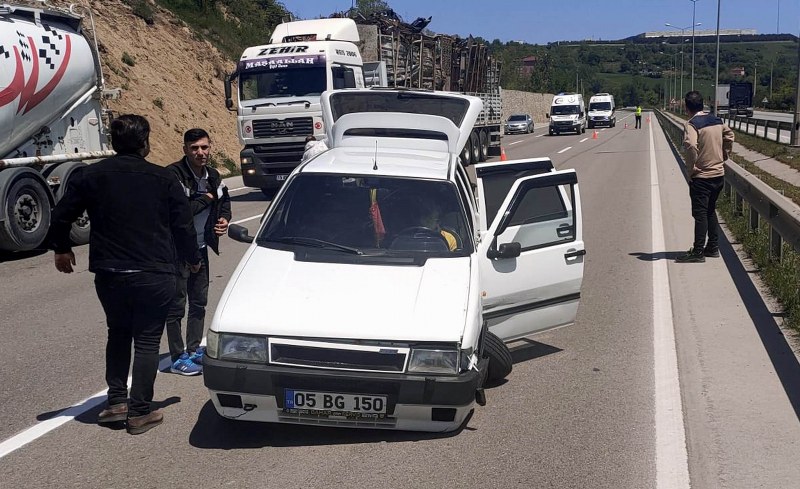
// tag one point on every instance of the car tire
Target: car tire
(268, 192)
(500, 361)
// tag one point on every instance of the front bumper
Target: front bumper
(269, 165)
(513, 129)
(255, 392)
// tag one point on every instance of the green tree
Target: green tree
(367, 7)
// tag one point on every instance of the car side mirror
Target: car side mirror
(506, 250)
(239, 233)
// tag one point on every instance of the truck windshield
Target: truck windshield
(290, 82)
(370, 216)
(565, 109)
(600, 106)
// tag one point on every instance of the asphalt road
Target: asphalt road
(594, 405)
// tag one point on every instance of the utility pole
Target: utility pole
(694, 6)
(755, 82)
(716, 79)
(795, 140)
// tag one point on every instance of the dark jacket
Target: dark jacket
(139, 216)
(220, 204)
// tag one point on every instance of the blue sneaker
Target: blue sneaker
(184, 366)
(197, 356)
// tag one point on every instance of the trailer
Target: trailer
(415, 58)
(51, 118)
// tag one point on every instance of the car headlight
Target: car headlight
(212, 344)
(433, 361)
(242, 348)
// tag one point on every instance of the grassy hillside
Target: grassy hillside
(642, 72)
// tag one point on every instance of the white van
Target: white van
(601, 110)
(567, 113)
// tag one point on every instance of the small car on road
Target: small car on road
(518, 123)
(379, 289)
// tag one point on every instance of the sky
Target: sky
(543, 21)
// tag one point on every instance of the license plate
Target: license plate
(280, 178)
(333, 404)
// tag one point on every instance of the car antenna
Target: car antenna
(375, 158)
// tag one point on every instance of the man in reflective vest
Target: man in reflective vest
(638, 116)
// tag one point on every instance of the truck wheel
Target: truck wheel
(466, 153)
(484, 142)
(269, 192)
(500, 361)
(81, 228)
(27, 206)
(476, 147)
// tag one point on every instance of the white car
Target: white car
(379, 289)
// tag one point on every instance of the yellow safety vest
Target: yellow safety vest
(638, 111)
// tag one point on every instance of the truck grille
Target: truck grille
(288, 154)
(336, 356)
(293, 126)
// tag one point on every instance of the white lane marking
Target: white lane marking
(40, 429)
(247, 219)
(565, 149)
(515, 142)
(672, 466)
(582, 140)
(239, 188)
(540, 135)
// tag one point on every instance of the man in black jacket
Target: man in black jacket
(211, 207)
(141, 227)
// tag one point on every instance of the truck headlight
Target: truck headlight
(433, 361)
(242, 348)
(246, 160)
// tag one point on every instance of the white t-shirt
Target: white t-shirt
(314, 148)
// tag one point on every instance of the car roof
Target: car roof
(394, 162)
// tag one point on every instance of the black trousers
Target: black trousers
(704, 193)
(638, 121)
(195, 286)
(136, 306)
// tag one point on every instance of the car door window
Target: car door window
(539, 217)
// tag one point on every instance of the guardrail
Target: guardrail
(760, 127)
(766, 205)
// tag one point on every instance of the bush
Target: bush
(143, 10)
(128, 59)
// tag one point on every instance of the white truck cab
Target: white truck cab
(567, 114)
(279, 88)
(602, 111)
(379, 289)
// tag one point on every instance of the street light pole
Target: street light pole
(694, 6)
(683, 41)
(716, 69)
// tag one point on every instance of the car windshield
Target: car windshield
(565, 109)
(368, 216)
(287, 82)
(517, 118)
(600, 106)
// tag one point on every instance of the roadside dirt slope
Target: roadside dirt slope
(176, 79)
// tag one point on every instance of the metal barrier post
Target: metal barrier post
(775, 240)
(753, 218)
(766, 128)
(737, 203)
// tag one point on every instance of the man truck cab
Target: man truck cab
(352, 306)
(602, 110)
(567, 114)
(279, 88)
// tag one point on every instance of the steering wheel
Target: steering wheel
(425, 232)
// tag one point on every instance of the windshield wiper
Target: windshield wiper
(316, 243)
(306, 102)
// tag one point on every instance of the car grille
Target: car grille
(337, 356)
(293, 126)
(564, 123)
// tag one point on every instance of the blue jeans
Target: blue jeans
(136, 306)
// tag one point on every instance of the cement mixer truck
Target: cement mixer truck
(51, 118)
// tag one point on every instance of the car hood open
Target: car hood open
(273, 294)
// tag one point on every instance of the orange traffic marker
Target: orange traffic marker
(626, 125)
(594, 135)
(503, 154)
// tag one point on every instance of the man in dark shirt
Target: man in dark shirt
(139, 219)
